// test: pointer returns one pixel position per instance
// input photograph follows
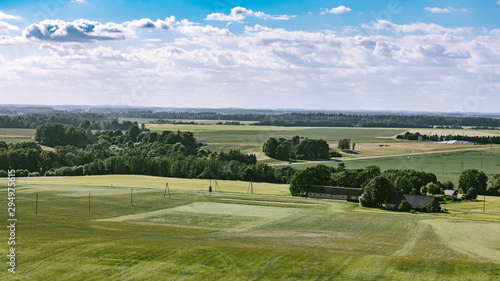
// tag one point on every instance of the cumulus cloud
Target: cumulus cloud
(436, 10)
(78, 1)
(168, 23)
(5, 28)
(4, 16)
(76, 31)
(415, 28)
(257, 28)
(240, 13)
(338, 10)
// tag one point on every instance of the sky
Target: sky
(430, 55)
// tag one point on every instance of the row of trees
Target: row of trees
(296, 148)
(357, 120)
(405, 181)
(479, 139)
(93, 121)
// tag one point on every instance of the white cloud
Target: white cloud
(5, 28)
(257, 28)
(168, 23)
(415, 28)
(498, 2)
(4, 16)
(436, 10)
(76, 31)
(240, 13)
(78, 1)
(338, 10)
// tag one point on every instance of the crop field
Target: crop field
(234, 235)
(16, 135)
(251, 138)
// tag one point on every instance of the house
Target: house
(418, 202)
(202, 142)
(449, 192)
(334, 192)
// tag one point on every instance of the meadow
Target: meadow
(232, 235)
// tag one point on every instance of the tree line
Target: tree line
(95, 121)
(358, 120)
(479, 139)
(107, 120)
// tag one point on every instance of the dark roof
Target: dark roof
(416, 201)
(336, 190)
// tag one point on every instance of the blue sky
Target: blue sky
(377, 55)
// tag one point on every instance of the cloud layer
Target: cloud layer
(417, 66)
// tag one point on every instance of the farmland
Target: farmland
(235, 235)
(446, 166)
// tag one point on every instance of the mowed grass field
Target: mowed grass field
(233, 236)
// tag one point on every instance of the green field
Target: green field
(232, 235)
(251, 138)
(446, 166)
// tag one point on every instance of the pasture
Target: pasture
(233, 235)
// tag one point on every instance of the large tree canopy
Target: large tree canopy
(315, 175)
(376, 192)
(472, 182)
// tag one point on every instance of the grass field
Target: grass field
(446, 166)
(234, 236)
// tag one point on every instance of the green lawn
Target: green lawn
(492, 204)
(233, 236)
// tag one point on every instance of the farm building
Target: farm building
(449, 192)
(459, 142)
(418, 202)
(202, 142)
(334, 192)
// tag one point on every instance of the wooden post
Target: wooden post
(89, 201)
(484, 202)
(36, 205)
(131, 192)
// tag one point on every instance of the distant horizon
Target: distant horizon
(298, 110)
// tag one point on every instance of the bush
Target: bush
(22, 173)
(3, 174)
(35, 174)
(404, 206)
(335, 154)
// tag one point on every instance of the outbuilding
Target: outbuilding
(418, 202)
(335, 192)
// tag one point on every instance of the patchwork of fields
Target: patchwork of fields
(232, 235)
